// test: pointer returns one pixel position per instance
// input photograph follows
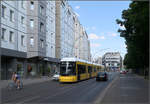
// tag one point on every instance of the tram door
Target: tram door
(90, 71)
(78, 75)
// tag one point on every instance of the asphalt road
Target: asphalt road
(84, 92)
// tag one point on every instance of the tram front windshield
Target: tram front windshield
(67, 68)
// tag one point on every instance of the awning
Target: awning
(13, 53)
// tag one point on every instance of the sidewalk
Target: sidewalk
(4, 83)
(128, 89)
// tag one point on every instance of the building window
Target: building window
(22, 19)
(63, 4)
(42, 43)
(31, 23)
(31, 41)
(22, 3)
(3, 33)
(51, 21)
(32, 5)
(41, 10)
(3, 11)
(11, 36)
(11, 15)
(41, 27)
(22, 40)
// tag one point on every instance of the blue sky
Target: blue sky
(99, 20)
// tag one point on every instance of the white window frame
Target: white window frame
(22, 19)
(41, 27)
(11, 33)
(22, 4)
(3, 11)
(11, 16)
(22, 40)
(31, 41)
(31, 5)
(41, 43)
(31, 23)
(41, 9)
(3, 33)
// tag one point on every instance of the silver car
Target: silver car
(56, 76)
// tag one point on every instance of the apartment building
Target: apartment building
(52, 62)
(112, 60)
(13, 38)
(89, 51)
(35, 35)
(81, 44)
(64, 30)
(41, 37)
(77, 37)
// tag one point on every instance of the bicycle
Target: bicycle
(13, 85)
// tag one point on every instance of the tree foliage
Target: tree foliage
(136, 33)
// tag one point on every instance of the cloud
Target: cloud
(112, 34)
(124, 46)
(93, 28)
(77, 14)
(77, 7)
(86, 28)
(122, 27)
(95, 45)
(102, 37)
(93, 36)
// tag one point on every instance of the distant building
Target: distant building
(81, 44)
(112, 60)
(98, 60)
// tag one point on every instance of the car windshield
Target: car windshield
(101, 73)
(56, 73)
(67, 68)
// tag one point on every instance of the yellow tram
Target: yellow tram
(73, 70)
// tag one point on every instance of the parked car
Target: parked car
(102, 76)
(56, 76)
(122, 72)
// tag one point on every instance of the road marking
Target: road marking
(26, 100)
(102, 95)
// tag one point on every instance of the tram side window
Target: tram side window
(89, 69)
(94, 69)
(81, 69)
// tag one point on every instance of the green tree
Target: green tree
(136, 33)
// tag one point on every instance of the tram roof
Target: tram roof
(72, 59)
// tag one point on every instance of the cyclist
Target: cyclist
(16, 79)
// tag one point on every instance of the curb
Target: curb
(102, 95)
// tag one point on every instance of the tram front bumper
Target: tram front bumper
(67, 79)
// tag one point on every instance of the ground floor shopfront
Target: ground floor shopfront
(14, 61)
(37, 67)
